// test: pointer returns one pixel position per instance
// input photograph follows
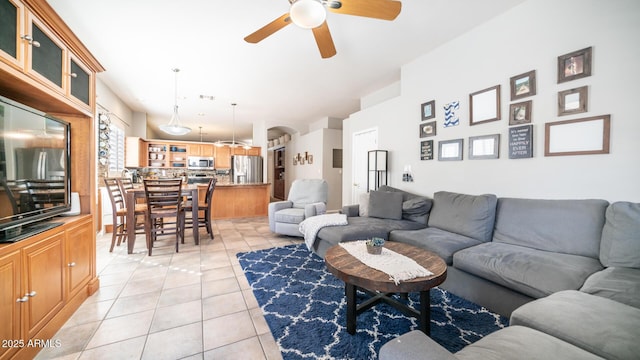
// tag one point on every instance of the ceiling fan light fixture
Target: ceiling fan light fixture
(308, 14)
(175, 127)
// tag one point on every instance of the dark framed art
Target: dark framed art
(426, 150)
(574, 65)
(521, 142)
(577, 137)
(450, 150)
(572, 101)
(428, 110)
(428, 129)
(523, 85)
(520, 113)
(484, 105)
(484, 147)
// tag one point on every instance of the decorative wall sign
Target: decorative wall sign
(428, 129)
(450, 150)
(428, 110)
(520, 113)
(484, 105)
(450, 116)
(521, 142)
(523, 85)
(484, 147)
(426, 150)
(577, 137)
(574, 65)
(572, 101)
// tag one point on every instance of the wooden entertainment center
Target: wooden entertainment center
(46, 277)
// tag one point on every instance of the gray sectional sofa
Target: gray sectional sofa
(566, 272)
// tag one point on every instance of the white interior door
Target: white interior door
(362, 142)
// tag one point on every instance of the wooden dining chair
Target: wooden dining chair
(165, 214)
(205, 220)
(119, 212)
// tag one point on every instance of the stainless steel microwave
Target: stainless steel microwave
(200, 163)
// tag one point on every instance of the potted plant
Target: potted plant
(374, 245)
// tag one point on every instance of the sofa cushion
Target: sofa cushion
(519, 342)
(414, 207)
(616, 283)
(363, 208)
(417, 209)
(289, 215)
(441, 242)
(361, 228)
(620, 244)
(469, 215)
(532, 272)
(385, 205)
(562, 226)
(601, 326)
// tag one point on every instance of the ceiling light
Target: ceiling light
(175, 127)
(307, 14)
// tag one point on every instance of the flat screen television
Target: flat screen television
(35, 171)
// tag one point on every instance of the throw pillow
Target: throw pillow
(416, 209)
(385, 205)
(620, 245)
(363, 203)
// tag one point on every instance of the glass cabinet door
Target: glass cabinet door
(11, 15)
(47, 58)
(80, 82)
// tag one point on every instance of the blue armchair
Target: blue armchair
(307, 198)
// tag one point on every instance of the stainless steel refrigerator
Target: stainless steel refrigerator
(246, 169)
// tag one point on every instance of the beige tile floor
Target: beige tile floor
(195, 304)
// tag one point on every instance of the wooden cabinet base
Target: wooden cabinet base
(238, 201)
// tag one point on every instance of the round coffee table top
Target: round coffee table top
(351, 270)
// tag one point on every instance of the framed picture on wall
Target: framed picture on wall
(484, 105)
(577, 137)
(574, 65)
(426, 150)
(572, 101)
(484, 147)
(520, 113)
(450, 150)
(523, 85)
(428, 110)
(428, 129)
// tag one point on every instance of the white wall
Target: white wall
(528, 37)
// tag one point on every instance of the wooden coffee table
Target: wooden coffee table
(357, 275)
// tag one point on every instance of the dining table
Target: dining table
(138, 192)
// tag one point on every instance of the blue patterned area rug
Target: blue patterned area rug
(305, 305)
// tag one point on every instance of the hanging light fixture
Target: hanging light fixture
(175, 127)
(233, 143)
(307, 14)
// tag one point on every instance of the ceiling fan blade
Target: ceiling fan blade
(378, 9)
(268, 29)
(324, 40)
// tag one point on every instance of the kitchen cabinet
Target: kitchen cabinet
(43, 284)
(177, 156)
(157, 154)
(78, 256)
(43, 279)
(223, 157)
(200, 150)
(10, 291)
(29, 45)
(135, 152)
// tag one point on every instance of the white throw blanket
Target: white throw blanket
(310, 226)
(398, 266)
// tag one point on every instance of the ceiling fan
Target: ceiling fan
(311, 14)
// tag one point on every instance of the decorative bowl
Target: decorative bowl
(374, 250)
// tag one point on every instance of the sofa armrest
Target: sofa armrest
(351, 210)
(273, 208)
(414, 345)
(314, 209)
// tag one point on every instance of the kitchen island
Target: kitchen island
(232, 201)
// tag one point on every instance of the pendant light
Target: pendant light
(232, 143)
(175, 127)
